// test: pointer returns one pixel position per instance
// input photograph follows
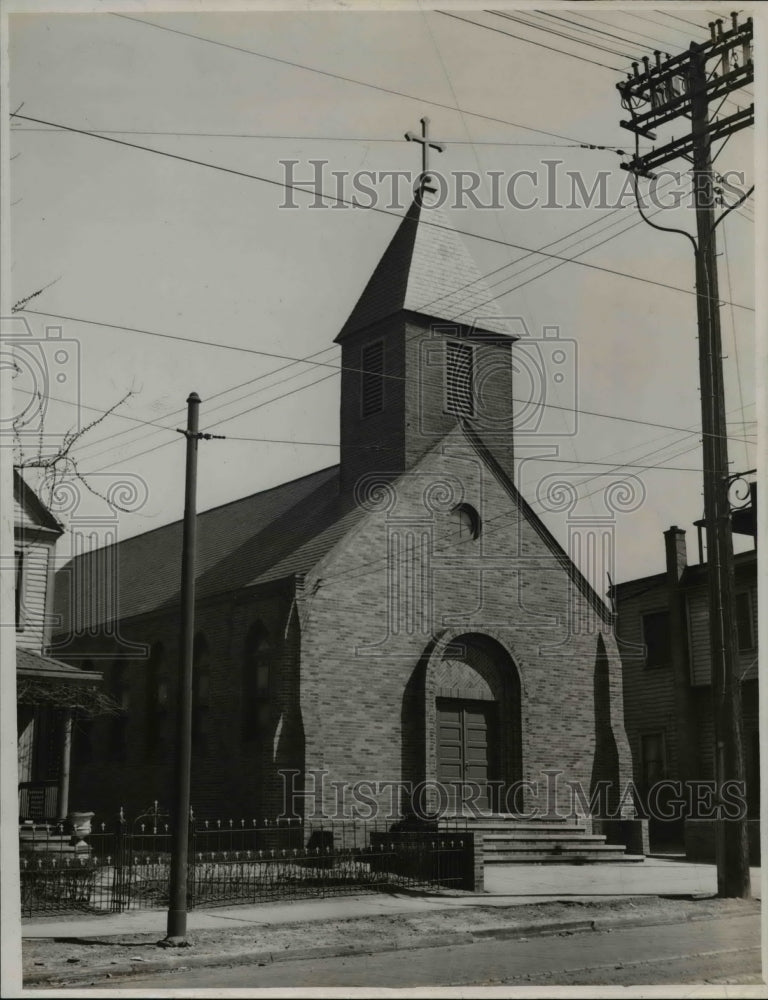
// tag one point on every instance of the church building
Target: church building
(402, 620)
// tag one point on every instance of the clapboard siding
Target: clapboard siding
(649, 699)
(698, 636)
(34, 589)
(22, 517)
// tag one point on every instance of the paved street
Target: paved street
(695, 952)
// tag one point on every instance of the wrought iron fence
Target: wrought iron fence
(127, 865)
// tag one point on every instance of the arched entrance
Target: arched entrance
(472, 723)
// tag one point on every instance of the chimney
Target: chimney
(677, 559)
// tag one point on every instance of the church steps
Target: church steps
(549, 841)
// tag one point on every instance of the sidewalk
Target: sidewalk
(520, 901)
(505, 885)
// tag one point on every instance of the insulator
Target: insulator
(719, 25)
(735, 19)
(712, 29)
(636, 68)
(657, 54)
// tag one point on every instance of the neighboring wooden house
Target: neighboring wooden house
(50, 695)
(663, 634)
(403, 619)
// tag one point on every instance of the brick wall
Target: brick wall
(233, 776)
(364, 689)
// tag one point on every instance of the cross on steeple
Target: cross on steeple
(426, 143)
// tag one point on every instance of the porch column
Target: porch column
(66, 755)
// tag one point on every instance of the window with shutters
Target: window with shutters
(459, 375)
(372, 379)
(744, 621)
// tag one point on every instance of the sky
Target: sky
(128, 240)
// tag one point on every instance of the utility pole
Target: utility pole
(177, 910)
(684, 86)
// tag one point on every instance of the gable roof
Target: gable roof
(428, 269)
(485, 451)
(265, 537)
(28, 506)
(238, 545)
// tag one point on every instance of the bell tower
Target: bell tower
(423, 349)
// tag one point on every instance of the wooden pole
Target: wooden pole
(177, 910)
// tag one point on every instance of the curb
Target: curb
(257, 958)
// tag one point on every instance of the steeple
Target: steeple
(427, 269)
(424, 348)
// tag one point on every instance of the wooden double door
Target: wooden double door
(467, 750)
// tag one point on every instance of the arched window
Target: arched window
(201, 676)
(465, 522)
(257, 658)
(158, 704)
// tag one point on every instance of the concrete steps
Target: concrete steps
(509, 841)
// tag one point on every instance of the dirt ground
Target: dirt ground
(61, 959)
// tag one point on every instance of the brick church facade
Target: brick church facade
(402, 620)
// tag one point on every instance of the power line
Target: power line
(548, 30)
(223, 392)
(164, 444)
(640, 34)
(371, 208)
(660, 24)
(683, 20)
(338, 76)
(325, 364)
(364, 568)
(530, 41)
(56, 130)
(551, 267)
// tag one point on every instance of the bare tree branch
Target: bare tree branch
(19, 306)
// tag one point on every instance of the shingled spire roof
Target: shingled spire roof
(428, 269)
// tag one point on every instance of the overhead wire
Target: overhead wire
(350, 368)
(342, 78)
(530, 41)
(371, 208)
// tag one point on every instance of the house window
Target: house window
(19, 559)
(200, 694)
(459, 378)
(744, 621)
(256, 683)
(656, 639)
(372, 379)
